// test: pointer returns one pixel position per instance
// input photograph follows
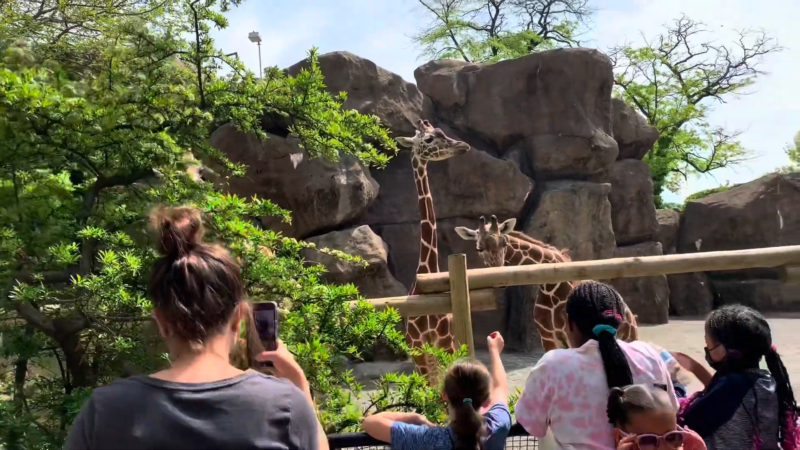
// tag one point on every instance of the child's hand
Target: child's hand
(692, 440)
(628, 443)
(495, 343)
(419, 419)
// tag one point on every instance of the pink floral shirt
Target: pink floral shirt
(567, 392)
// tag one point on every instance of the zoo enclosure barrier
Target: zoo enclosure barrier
(518, 439)
(461, 291)
(477, 290)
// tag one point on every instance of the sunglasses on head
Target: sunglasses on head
(671, 440)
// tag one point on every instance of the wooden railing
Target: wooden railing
(461, 291)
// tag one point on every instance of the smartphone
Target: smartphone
(266, 318)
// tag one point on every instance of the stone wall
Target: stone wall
(551, 148)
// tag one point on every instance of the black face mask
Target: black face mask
(716, 365)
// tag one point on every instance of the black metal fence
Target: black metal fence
(518, 439)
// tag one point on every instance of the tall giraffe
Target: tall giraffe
(429, 144)
(499, 244)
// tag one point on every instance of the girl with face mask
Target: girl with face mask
(742, 406)
(644, 419)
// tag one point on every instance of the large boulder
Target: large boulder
(690, 294)
(370, 90)
(669, 221)
(372, 281)
(647, 297)
(468, 185)
(555, 105)
(762, 213)
(633, 211)
(763, 295)
(633, 134)
(321, 194)
(574, 215)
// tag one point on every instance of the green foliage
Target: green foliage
(793, 152)
(490, 31)
(674, 80)
(102, 113)
(706, 192)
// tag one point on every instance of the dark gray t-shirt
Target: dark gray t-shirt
(250, 411)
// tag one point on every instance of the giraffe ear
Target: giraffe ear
(467, 234)
(507, 226)
(404, 141)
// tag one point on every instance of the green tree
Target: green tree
(674, 80)
(102, 113)
(793, 151)
(494, 30)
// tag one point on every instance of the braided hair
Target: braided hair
(747, 337)
(596, 310)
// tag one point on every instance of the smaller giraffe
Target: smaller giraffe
(499, 244)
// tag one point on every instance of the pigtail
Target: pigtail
(615, 364)
(787, 406)
(467, 386)
(614, 409)
(469, 427)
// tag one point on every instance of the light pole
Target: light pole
(255, 37)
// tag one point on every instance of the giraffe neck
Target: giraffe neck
(522, 252)
(428, 251)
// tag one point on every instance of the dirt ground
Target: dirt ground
(684, 335)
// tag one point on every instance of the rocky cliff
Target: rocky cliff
(762, 213)
(551, 148)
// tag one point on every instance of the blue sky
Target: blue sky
(379, 30)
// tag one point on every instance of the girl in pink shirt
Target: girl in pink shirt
(566, 394)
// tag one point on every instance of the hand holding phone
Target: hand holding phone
(286, 367)
(266, 319)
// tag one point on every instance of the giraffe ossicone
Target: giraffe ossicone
(429, 144)
(498, 244)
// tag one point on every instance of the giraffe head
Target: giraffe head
(431, 144)
(492, 239)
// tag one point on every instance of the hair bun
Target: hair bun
(616, 393)
(179, 230)
(614, 409)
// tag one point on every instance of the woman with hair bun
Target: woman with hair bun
(566, 394)
(201, 401)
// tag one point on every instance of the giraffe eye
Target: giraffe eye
(428, 140)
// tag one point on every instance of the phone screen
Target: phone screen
(266, 318)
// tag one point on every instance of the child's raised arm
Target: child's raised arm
(499, 386)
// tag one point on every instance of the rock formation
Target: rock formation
(762, 213)
(551, 148)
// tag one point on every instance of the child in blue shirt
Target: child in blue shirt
(479, 414)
